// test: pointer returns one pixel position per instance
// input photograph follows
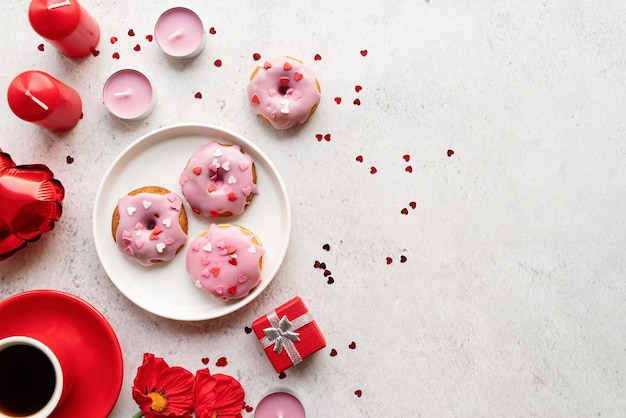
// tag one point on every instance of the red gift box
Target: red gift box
(288, 334)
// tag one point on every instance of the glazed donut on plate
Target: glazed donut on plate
(284, 92)
(219, 180)
(225, 261)
(149, 224)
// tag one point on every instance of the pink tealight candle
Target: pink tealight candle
(280, 405)
(180, 33)
(128, 95)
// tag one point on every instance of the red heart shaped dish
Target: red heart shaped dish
(30, 203)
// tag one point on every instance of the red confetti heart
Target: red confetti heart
(359, 158)
(327, 273)
(404, 211)
(247, 330)
(218, 63)
(408, 169)
(41, 47)
(326, 247)
(287, 66)
(205, 360)
(256, 56)
(215, 271)
(358, 393)
(406, 157)
(232, 196)
(319, 137)
(116, 55)
(330, 280)
(113, 40)
(69, 159)
(282, 375)
(232, 290)
(198, 95)
(197, 170)
(221, 362)
(137, 48)
(338, 100)
(389, 260)
(214, 213)
(358, 88)
(333, 352)
(402, 259)
(232, 261)
(373, 170)
(364, 52)
(131, 33)
(149, 38)
(316, 264)
(317, 57)
(249, 408)
(413, 205)
(327, 137)
(267, 65)
(95, 52)
(297, 76)
(352, 345)
(450, 153)
(255, 99)
(357, 102)
(212, 31)
(34, 204)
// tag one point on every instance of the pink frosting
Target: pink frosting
(149, 227)
(283, 90)
(218, 179)
(225, 262)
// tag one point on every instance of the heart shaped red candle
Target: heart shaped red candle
(30, 200)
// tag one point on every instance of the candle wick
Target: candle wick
(125, 93)
(55, 5)
(36, 100)
(175, 34)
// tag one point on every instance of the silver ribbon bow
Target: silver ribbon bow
(282, 335)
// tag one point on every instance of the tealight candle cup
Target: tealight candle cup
(35, 378)
(128, 94)
(280, 403)
(180, 33)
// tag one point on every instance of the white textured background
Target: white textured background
(511, 301)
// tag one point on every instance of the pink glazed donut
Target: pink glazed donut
(149, 224)
(219, 180)
(225, 261)
(284, 92)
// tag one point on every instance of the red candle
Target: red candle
(37, 97)
(66, 25)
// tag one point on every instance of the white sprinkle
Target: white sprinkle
(131, 210)
(147, 204)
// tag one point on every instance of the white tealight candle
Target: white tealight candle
(129, 95)
(180, 33)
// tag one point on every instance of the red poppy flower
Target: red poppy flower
(163, 391)
(217, 395)
(30, 203)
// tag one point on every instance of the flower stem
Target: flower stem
(138, 415)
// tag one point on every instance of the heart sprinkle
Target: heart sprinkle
(317, 57)
(333, 352)
(131, 210)
(364, 52)
(160, 247)
(338, 100)
(450, 153)
(359, 158)
(352, 345)
(205, 360)
(147, 204)
(256, 56)
(221, 362)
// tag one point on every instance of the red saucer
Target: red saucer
(48, 314)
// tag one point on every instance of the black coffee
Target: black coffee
(27, 380)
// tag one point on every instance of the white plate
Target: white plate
(158, 158)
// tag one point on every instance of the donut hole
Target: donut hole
(283, 89)
(152, 223)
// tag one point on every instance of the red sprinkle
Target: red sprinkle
(338, 100)
(358, 88)
(317, 57)
(319, 137)
(389, 260)
(297, 76)
(212, 31)
(333, 352)
(364, 52)
(406, 157)
(408, 169)
(358, 393)
(352, 345)
(373, 170)
(327, 137)
(330, 280)
(402, 259)
(232, 196)
(287, 66)
(267, 65)
(197, 170)
(95, 52)
(255, 99)
(357, 101)
(413, 205)
(284, 81)
(256, 56)
(218, 63)
(249, 408)
(221, 362)
(41, 47)
(232, 290)
(131, 33)
(450, 153)
(198, 95)
(205, 360)
(282, 375)
(359, 158)
(116, 55)
(149, 38)
(113, 40)
(69, 159)
(137, 48)
(404, 211)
